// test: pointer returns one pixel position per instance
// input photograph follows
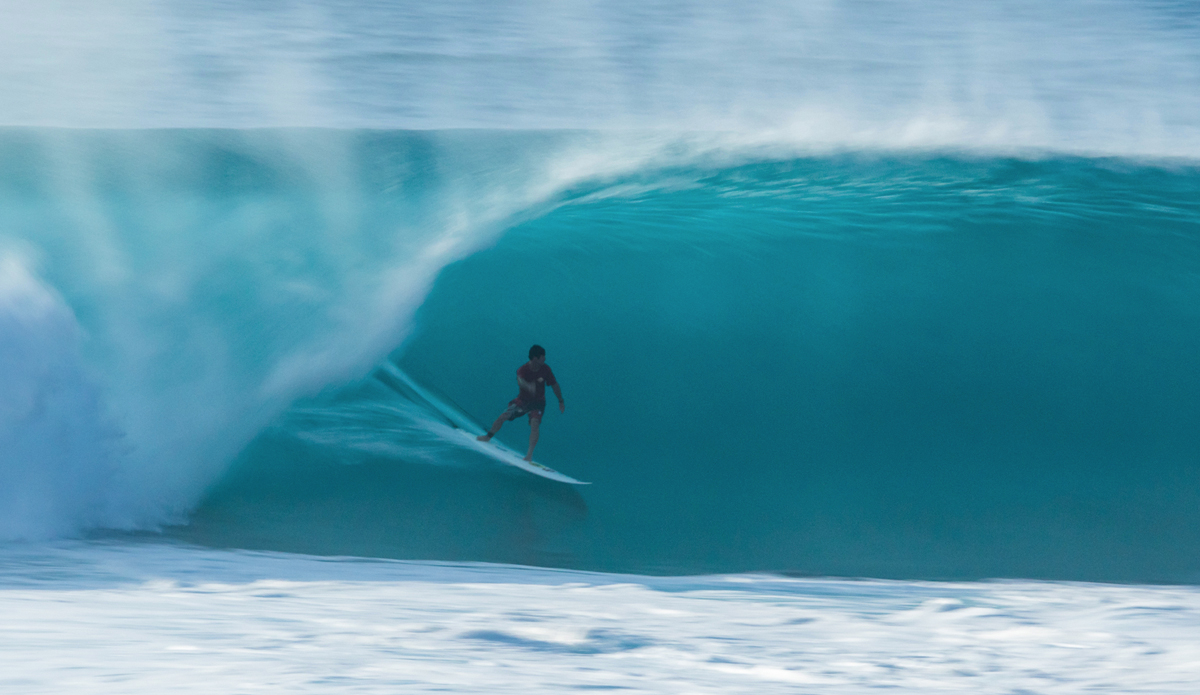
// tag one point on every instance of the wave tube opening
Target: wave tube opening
(910, 366)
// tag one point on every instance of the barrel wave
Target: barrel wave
(898, 364)
(905, 365)
(889, 289)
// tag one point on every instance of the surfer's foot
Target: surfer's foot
(529, 457)
(483, 437)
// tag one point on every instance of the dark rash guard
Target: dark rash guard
(528, 373)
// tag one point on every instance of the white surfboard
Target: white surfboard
(465, 425)
(504, 454)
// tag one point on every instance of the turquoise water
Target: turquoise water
(899, 366)
(889, 289)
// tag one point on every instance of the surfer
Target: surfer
(532, 378)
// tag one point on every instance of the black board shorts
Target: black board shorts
(518, 407)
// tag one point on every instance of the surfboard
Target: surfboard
(506, 455)
(464, 424)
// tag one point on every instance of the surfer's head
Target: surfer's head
(537, 351)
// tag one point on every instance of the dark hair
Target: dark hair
(536, 350)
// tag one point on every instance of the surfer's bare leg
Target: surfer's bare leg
(494, 428)
(534, 423)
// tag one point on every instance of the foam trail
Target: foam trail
(389, 416)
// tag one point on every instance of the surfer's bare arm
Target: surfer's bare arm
(562, 406)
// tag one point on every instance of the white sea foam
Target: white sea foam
(114, 618)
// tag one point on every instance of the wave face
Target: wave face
(853, 287)
(857, 365)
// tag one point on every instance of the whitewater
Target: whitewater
(876, 324)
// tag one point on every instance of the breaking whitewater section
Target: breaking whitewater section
(130, 618)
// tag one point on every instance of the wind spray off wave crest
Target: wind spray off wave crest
(56, 446)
